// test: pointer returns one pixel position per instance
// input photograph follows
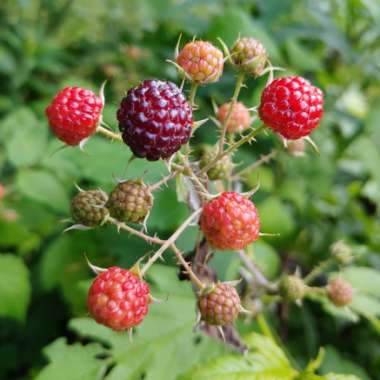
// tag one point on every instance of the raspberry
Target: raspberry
(220, 305)
(155, 119)
(250, 55)
(340, 292)
(202, 61)
(292, 288)
(230, 221)
(88, 208)
(240, 118)
(291, 106)
(221, 169)
(74, 114)
(118, 299)
(130, 201)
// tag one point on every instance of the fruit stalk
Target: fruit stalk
(109, 134)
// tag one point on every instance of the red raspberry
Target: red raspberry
(220, 305)
(240, 118)
(118, 299)
(291, 106)
(155, 119)
(230, 221)
(340, 292)
(202, 61)
(74, 114)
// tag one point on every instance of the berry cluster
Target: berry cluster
(155, 121)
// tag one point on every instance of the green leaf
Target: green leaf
(43, 187)
(266, 258)
(300, 57)
(74, 362)
(264, 361)
(152, 350)
(15, 288)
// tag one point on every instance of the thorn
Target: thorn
(62, 147)
(226, 50)
(176, 50)
(181, 71)
(250, 193)
(80, 227)
(94, 268)
(233, 283)
(215, 121)
(245, 311)
(221, 332)
(214, 106)
(268, 234)
(78, 187)
(182, 84)
(197, 124)
(101, 92)
(130, 335)
(313, 144)
(66, 220)
(83, 143)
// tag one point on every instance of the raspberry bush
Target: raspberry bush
(202, 233)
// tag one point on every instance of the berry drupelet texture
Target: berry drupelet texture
(74, 114)
(240, 119)
(88, 208)
(118, 299)
(130, 201)
(291, 106)
(340, 292)
(249, 55)
(155, 119)
(230, 221)
(201, 61)
(220, 305)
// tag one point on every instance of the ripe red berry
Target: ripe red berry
(230, 221)
(291, 106)
(340, 292)
(202, 61)
(74, 114)
(220, 305)
(118, 299)
(240, 118)
(155, 119)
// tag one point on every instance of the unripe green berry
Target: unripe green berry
(221, 169)
(130, 201)
(88, 208)
(249, 55)
(292, 288)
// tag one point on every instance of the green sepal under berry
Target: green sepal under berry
(130, 201)
(221, 170)
(88, 208)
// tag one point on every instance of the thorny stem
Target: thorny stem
(193, 92)
(238, 86)
(163, 181)
(195, 179)
(170, 241)
(260, 279)
(232, 147)
(156, 240)
(323, 266)
(187, 267)
(262, 160)
(106, 132)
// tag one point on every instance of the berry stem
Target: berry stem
(193, 92)
(260, 279)
(187, 267)
(238, 86)
(168, 243)
(262, 160)
(319, 269)
(163, 181)
(232, 147)
(109, 134)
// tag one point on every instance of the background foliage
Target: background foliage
(311, 202)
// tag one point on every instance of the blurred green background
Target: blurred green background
(311, 201)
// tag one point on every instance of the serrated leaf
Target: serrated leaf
(74, 362)
(264, 361)
(15, 288)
